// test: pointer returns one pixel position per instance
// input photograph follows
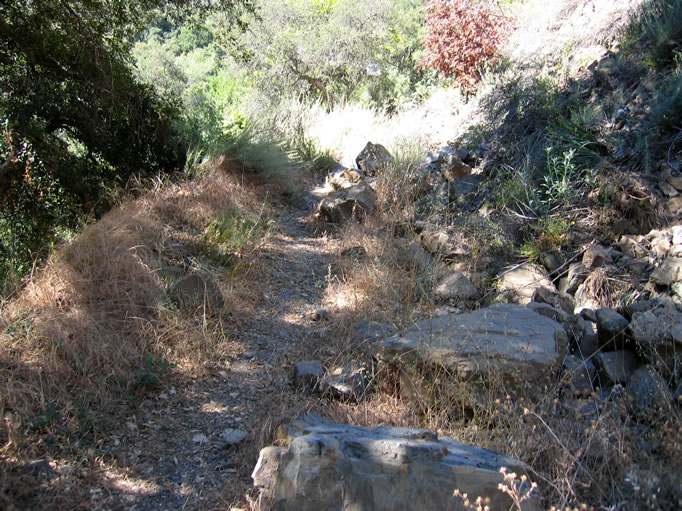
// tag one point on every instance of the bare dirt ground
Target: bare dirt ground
(172, 453)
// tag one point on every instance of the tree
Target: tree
(320, 49)
(74, 118)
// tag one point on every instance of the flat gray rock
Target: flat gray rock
(519, 285)
(334, 467)
(503, 340)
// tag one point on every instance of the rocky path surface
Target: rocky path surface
(193, 444)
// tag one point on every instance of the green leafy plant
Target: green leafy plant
(150, 374)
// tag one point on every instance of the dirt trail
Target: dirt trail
(174, 447)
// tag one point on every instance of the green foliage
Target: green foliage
(154, 368)
(321, 50)
(75, 120)
(237, 231)
(658, 26)
(666, 111)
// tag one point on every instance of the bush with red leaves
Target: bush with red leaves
(462, 36)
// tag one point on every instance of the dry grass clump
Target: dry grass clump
(95, 324)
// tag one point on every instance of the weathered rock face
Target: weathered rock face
(355, 202)
(504, 340)
(373, 158)
(519, 284)
(329, 466)
(197, 293)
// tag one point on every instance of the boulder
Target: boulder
(349, 382)
(669, 272)
(345, 178)
(580, 373)
(589, 343)
(371, 330)
(411, 256)
(373, 158)
(306, 374)
(451, 165)
(577, 274)
(519, 285)
(353, 203)
(611, 327)
(596, 256)
(446, 242)
(657, 333)
(648, 390)
(458, 287)
(504, 341)
(334, 467)
(615, 367)
(197, 294)
(552, 260)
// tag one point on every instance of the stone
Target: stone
(596, 256)
(353, 203)
(306, 374)
(348, 382)
(504, 341)
(519, 285)
(197, 294)
(657, 333)
(334, 467)
(445, 242)
(648, 390)
(265, 472)
(458, 287)
(232, 437)
(634, 246)
(559, 300)
(552, 260)
(585, 299)
(611, 327)
(411, 256)
(669, 272)
(615, 367)
(577, 274)
(667, 190)
(589, 315)
(674, 180)
(345, 178)
(677, 234)
(589, 343)
(372, 330)
(581, 373)
(373, 158)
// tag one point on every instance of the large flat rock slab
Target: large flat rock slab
(333, 466)
(505, 340)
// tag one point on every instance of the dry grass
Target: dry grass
(95, 326)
